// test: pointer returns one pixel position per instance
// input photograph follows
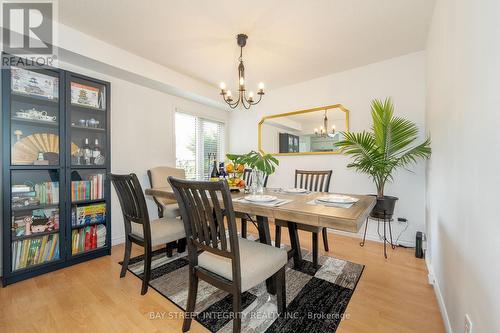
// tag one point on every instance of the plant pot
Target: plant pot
(384, 209)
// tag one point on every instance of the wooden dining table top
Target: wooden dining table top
(299, 210)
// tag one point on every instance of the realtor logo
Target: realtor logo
(27, 28)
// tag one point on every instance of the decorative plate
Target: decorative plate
(295, 190)
(260, 198)
(337, 199)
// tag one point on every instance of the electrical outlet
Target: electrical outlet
(468, 324)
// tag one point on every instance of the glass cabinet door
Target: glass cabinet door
(34, 115)
(88, 210)
(88, 117)
(35, 217)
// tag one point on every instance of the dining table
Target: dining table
(294, 208)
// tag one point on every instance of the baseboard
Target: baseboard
(439, 296)
(369, 237)
(117, 240)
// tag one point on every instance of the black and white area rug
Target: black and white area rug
(316, 298)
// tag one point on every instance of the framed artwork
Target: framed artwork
(85, 95)
(32, 83)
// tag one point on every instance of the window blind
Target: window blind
(196, 139)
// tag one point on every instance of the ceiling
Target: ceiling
(290, 41)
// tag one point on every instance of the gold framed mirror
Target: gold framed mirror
(304, 132)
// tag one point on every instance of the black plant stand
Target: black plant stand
(385, 219)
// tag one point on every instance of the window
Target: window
(195, 140)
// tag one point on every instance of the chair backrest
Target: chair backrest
(158, 177)
(247, 177)
(132, 202)
(203, 217)
(317, 180)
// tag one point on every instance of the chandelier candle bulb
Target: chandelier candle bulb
(242, 81)
(222, 86)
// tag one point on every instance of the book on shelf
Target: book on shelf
(21, 189)
(34, 251)
(91, 189)
(46, 193)
(88, 238)
(88, 214)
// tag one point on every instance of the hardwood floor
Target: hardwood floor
(392, 296)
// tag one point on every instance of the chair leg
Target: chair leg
(126, 257)
(243, 228)
(281, 290)
(325, 239)
(237, 312)
(315, 248)
(277, 237)
(191, 301)
(147, 270)
(181, 245)
(170, 247)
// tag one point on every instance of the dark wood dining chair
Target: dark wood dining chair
(244, 217)
(229, 263)
(138, 228)
(315, 181)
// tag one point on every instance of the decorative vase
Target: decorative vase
(257, 181)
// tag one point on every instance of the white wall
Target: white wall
(463, 180)
(402, 78)
(142, 133)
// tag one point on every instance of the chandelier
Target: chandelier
(323, 129)
(246, 101)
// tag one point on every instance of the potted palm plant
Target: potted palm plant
(391, 144)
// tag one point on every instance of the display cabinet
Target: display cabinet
(56, 161)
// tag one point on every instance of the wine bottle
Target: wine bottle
(222, 170)
(97, 150)
(87, 152)
(215, 172)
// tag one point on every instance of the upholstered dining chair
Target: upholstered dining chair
(223, 260)
(167, 208)
(158, 178)
(315, 181)
(138, 228)
(244, 217)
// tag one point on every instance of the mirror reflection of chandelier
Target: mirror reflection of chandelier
(323, 129)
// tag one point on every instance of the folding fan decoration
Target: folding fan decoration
(26, 150)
